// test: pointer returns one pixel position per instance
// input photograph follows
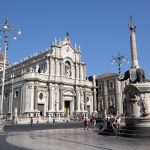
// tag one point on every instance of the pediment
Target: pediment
(68, 93)
(68, 51)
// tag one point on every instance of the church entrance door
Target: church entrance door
(66, 108)
(41, 109)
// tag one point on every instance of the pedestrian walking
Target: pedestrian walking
(108, 123)
(114, 127)
(85, 123)
(54, 120)
(118, 120)
(31, 121)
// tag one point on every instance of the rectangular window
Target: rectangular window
(100, 87)
(16, 93)
(111, 84)
(6, 95)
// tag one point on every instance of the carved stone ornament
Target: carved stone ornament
(30, 86)
(131, 90)
(133, 75)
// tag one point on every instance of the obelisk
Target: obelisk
(134, 57)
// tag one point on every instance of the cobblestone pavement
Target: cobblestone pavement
(73, 139)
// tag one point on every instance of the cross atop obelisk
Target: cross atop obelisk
(134, 57)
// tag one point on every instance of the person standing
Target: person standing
(114, 127)
(94, 123)
(118, 120)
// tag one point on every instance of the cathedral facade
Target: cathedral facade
(50, 84)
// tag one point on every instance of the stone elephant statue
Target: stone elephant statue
(140, 74)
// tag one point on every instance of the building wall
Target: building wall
(110, 96)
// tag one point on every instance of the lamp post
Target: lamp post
(6, 31)
(119, 60)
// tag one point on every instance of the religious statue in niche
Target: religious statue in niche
(67, 68)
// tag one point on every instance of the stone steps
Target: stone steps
(29, 127)
(128, 132)
(135, 131)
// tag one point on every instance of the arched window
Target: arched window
(100, 86)
(67, 68)
(87, 99)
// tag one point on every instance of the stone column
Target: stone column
(61, 68)
(77, 71)
(105, 96)
(77, 101)
(52, 66)
(61, 101)
(80, 72)
(29, 98)
(35, 98)
(94, 94)
(84, 72)
(82, 100)
(85, 101)
(94, 100)
(47, 66)
(50, 112)
(118, 97)
(50, 98)
(62, 105)
(133, 45)
(21, 101)
(57, 68)
(56, 102)
(73, 71)
(10, 109)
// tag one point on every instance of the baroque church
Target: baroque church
(50, 84)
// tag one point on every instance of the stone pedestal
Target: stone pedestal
(9, 116)
(137, 100)
(49, 117)
(1, 119)
(137, 108)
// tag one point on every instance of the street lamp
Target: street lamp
(119, 60)
(7, 31)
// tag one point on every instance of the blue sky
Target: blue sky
(100, 27)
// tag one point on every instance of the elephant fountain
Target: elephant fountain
(137, 103)
(136, 75)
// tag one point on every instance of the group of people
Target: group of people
(92, 121)
(113, 123)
